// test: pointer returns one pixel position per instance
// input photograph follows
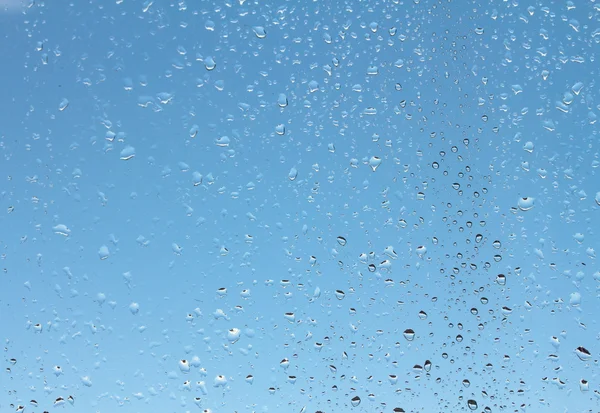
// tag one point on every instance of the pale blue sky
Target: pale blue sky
(176, 176)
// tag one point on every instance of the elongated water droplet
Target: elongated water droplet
(293, 174)
(63, 104)
(282, 100)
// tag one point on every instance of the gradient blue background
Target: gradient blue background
(405, 81)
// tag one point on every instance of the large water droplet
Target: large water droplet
(209, 63)
(472, 404)
(233, 335)
(127, 153)
(103, 252)
(260, 32)
(282, 100)
(409, 334)
(583, 353)
(355, 401)
(374, 162)
(526, 203)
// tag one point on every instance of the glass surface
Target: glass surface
(299, 206)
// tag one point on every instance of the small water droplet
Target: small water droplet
(209, 63)
(134, 308)
(63, 104)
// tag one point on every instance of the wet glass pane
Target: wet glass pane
(299, 206)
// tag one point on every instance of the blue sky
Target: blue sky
(177, 177)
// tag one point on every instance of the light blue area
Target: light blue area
(176, 177)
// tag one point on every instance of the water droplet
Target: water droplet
(197, 178)
(528, 147)
(501, 279)
(409, 334)
(233, 335)
(127, 153)
(525, 204)
(341, 241)
(374, 162)
(421, 251)
(293, 174)
(597, 198)
(479, 31)
(194, 131)
(583, 353)
(282, 100)
(422, 315)
(61, 229)
(339, 294)
(103, 252)
(355, 401)
(184, 366)
(472, 404)
(466, 383)
(223, 141)
(134, 308)
(280, 129)
(209, 63)
(427, 366)
(260, 32)
(63, 105)
(220, 381)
